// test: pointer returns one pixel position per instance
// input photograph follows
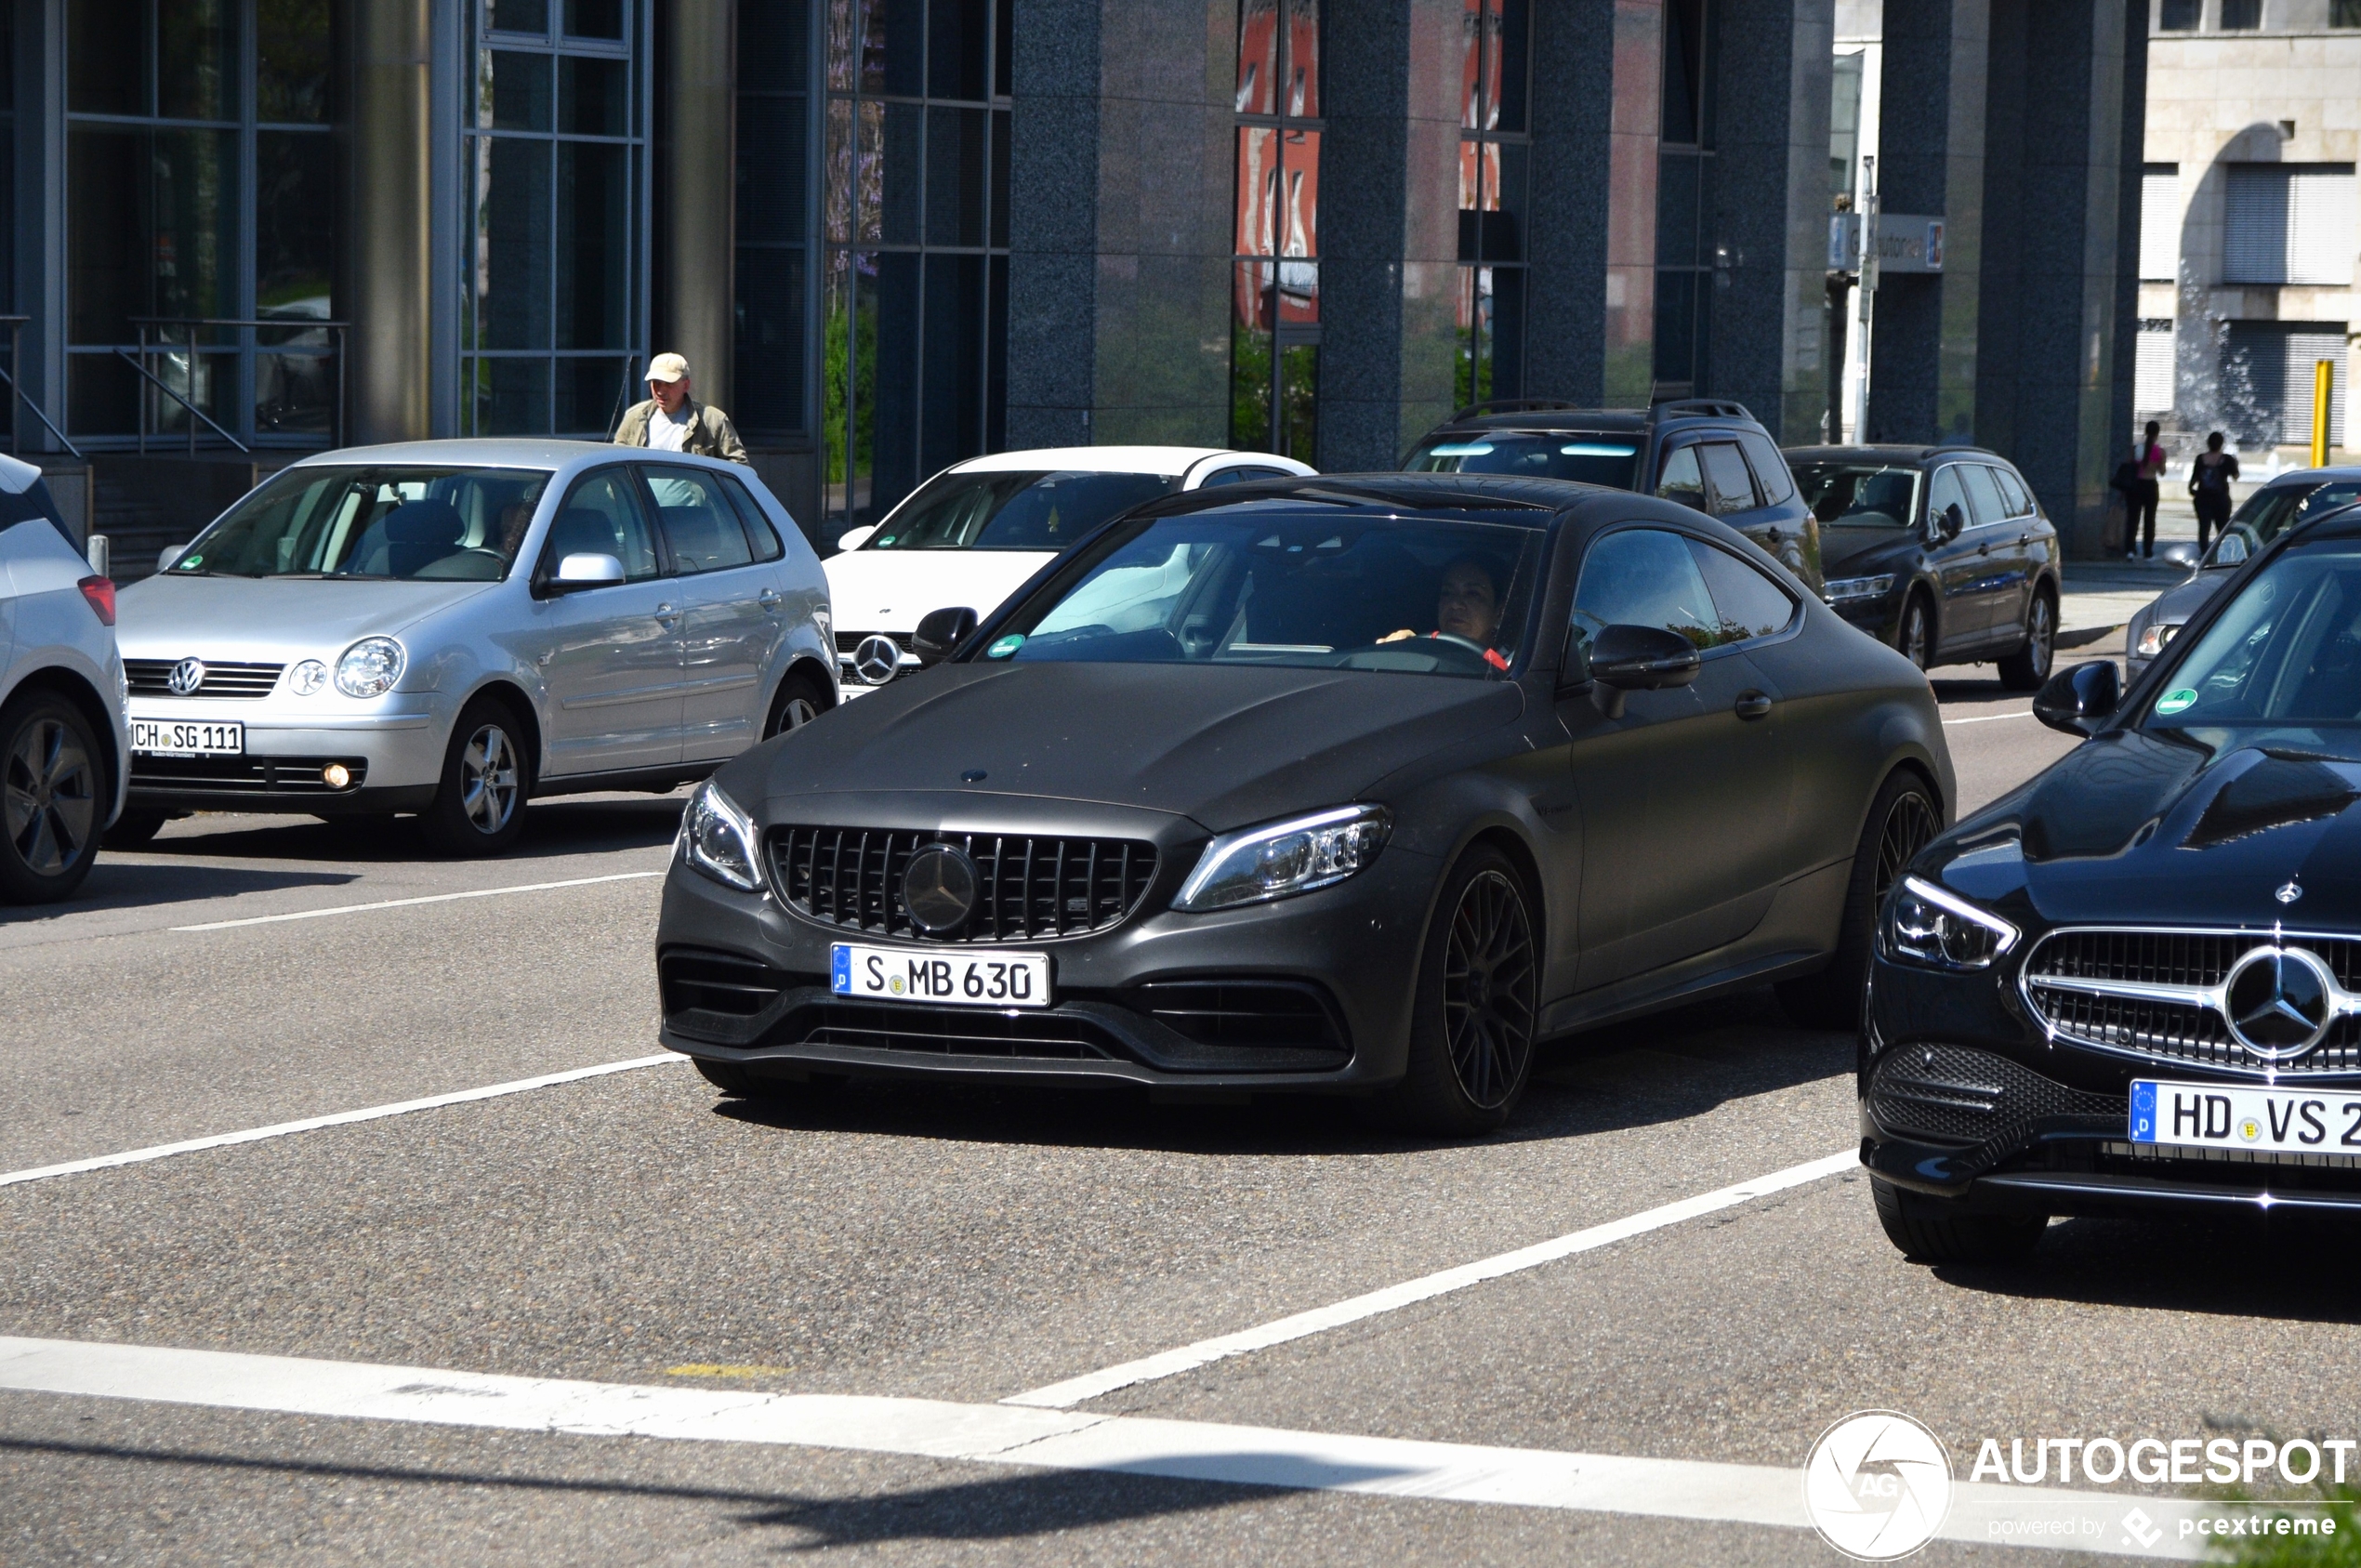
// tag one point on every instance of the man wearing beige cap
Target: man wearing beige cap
(673, 421)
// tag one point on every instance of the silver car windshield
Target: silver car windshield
(440, 524)
(1012, 509)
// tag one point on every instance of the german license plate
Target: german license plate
(2219, 1116)
(181, 738)
(956, 977)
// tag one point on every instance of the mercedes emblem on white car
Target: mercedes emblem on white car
(876, 660)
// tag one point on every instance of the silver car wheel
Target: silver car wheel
(798, 712)
(488, 779)
(52, 795)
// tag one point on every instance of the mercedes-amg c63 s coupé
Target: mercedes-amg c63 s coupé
(1356, 786)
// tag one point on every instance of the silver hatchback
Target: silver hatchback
(451, 628)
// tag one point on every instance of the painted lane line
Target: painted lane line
(1988, 719)
(1056, 1440)
(405, 903)
(1188, 1358)
(341, 1118)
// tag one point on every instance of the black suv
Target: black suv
(1704, 452)
(1940, 552)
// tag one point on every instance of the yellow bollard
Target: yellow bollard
(2323, 385)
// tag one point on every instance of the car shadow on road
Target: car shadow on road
(1665, 1068)
(553, 829)
(116, 884)
(2294, 1267)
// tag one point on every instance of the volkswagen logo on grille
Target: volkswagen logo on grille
(186, 676)
(939, 889)
(2279, 1002)
(876, 660)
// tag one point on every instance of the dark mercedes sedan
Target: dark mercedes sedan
(1348, 785)
(2136, 982)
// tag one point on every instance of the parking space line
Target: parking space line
(405, 903)
(1987, 718)
(1188, 1358)
(341, 1118)
(1203, 1451)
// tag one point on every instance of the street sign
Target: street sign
(1906, 243)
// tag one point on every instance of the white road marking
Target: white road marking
(1188, 1358)
(341, 1118)
(1686, 1489)
(1986, 717)
(405, 903)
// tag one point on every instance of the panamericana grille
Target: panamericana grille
(151, 677)
(2173, 1031)
(1031, 886)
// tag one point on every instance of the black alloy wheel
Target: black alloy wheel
(1901, 819)
(2025, 669)
(478, 808)
(1916, 637)
(799, 702)
(1476, 1005)
(52, 785)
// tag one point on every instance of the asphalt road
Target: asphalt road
(893, 1246)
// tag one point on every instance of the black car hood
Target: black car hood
(2141, 829)
(1856, 551)
(1224, 745)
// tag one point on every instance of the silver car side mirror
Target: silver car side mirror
(588, 570)
(170, 553)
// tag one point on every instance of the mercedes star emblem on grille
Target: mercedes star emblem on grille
(186, 676)
(2279, 1002)
(2288, 892)
(876, 660)
(939, 889)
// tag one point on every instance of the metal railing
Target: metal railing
(17, 394)
(163, 328)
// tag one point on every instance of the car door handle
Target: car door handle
(666, 614)
(1984, 548)
(1754, 704)
(769, 598)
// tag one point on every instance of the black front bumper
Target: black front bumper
(256, 782)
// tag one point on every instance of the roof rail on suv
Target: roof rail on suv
(1719, 408)
(1511, 405)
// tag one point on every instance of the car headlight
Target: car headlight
(2152, 639)
(1926, 925)
(1843, 589)
(717, 840)
(307, 678)
(370, 667)
(1284, 858)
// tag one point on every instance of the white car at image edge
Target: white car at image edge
(64, 736)
(974, 533)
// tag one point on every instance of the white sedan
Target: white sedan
(970, 535)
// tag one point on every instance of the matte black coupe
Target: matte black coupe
(2135, 983)
(1357, 785)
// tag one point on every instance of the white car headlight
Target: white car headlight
(370, 667)
(307, 678)
(717, 840)
(1282, 858)
(2152, 639)
(1841, 589)
(1926, 925)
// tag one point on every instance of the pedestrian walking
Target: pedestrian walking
(2140, 526)
(671, 420)
(2210, 479)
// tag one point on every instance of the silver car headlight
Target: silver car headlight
(1842, 589)
(1926, 925)
(370, 667)
(1284, 858)
(307, 678)
(717, 838)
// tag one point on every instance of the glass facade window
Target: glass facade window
(2177, 16)
(2344, 13)
(1274, 327)
(2241, 16)
(8, 162)
(774, 220)
(915, 236)
(554, 275)
(1494, 152)
(1684, 265)
(202, 182)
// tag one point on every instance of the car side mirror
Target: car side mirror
(588, 570)
(170, 553)
(1626, 658)
(853, 538)
(2079, 700)
(1954, 519)
(940, 633)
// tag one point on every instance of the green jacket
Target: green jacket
(710, 435)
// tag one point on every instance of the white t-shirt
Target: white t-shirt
(667, 432)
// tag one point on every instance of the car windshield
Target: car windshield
(1860, 495)
(443, 524)
(1273, 583)
(1012, 509)
(1610, 460)
(2282, 665)
(2270, 511)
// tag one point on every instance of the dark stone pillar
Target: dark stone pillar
(1931, 159)
(696, 231)
(1566, 220)
(1120, 194)
(392, 380)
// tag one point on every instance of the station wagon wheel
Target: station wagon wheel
(1475, 1007)
(1916, 638)
(2025, 669)
(479, 805)
(51, 778)
(801, 700)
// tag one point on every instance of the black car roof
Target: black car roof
(1889, 452)
(1549, 414)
